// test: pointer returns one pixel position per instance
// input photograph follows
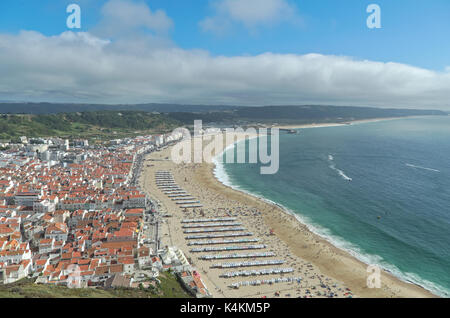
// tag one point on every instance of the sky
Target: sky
(235, 52)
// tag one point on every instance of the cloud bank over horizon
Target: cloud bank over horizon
(106, 65)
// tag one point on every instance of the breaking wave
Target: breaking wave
(339, 171)
(423, 168)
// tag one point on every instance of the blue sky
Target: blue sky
(413, 31)
(247, 52)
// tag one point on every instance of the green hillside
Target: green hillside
(298, 114)
(109, 124)
(26, 288)
(99, 124)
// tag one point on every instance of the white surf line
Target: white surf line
(423, 168)
(339, 171)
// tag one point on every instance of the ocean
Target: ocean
(380, 190)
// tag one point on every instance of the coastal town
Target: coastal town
(73, 214)
(80, 215)
(119, 213)
(223, 156)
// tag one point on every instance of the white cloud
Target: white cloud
(122, 65)
(121, 18)
(218, 25)
(251, 13)
(81, 67)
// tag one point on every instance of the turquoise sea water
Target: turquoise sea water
(380, 190)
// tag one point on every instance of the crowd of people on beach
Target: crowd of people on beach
(215, 228)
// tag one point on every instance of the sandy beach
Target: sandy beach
(353, 122)
(325, 270)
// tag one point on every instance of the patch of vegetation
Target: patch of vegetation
(93, 125)
(26, 288)
(108, 124)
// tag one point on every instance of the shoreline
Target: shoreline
(347, 123)
(318, 260)
(314, 230)
(311, 227)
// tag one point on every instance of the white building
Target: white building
(175, 257)
(44, 206)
